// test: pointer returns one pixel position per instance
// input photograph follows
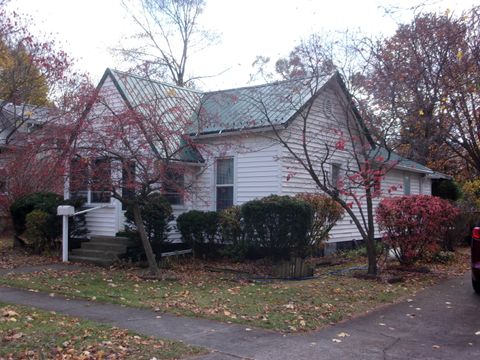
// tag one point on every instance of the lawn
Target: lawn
(27, 333)
(279, 305)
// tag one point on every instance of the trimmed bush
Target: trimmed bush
(326, 214)
(232, 232)
(279, 224)
(198, 228)
(37, 231)
(52, 229)
(44, 201)
(415, 225)
(156, 213)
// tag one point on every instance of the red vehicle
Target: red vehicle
(476, 259)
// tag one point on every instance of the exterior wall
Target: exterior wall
(325, 122)
(108, 220)
(102, 221)
(257, 168)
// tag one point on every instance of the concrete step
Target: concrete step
(90, 260)
(101, 254)
(115, 248)
(112, 240)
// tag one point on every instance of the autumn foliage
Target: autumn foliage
(414, 225)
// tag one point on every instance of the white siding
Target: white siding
(102, 221)
(325, 121)
(257, 168)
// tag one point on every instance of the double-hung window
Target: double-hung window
(335, 175)
(224, 183)
(174, 185)
(91, 181)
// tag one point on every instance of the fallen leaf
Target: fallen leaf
(435, 347)
(337, 340)
(343, 334)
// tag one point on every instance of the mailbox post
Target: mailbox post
(65, 211)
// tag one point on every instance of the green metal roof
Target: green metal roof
(172, 105)
(398, 160)
(228, 110)
(253, 107)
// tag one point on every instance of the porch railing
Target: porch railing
(67, 211)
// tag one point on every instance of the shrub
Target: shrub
(447, 189)
(47, 203)
(414, 225)
(44, 201)
(37, 231)
(198, 228)
(279, 224)
(156, 213)
(232, 232)
(326, 214)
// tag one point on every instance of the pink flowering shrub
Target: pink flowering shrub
(414, 225)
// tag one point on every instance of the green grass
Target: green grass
(284, 306)
(27, 333)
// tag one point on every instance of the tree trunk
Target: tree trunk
(370, 243)
(152, 263)
(371, 255)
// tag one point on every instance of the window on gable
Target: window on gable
(174, 185)
(406, 184)
(224, 183)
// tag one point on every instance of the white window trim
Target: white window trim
(226, 157)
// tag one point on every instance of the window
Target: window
(224, 183)
(406, 184)
(128, 181)
(335, 174)
(420, 185)
(174, 185)
(91, 182)
(79, 178)
(101, 181)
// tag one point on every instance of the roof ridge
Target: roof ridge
(154, 81)
(259, 86)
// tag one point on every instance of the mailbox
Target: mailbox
(65, 210)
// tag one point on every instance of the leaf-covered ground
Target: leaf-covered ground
(33, 334)
(280, 305)
(11, 257)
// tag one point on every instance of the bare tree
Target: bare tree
(169, 34)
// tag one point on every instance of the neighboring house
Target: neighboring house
(239, 158)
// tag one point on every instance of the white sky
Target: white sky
(87, 28)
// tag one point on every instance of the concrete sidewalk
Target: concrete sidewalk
(439, 323)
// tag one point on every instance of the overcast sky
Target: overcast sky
(86, 29)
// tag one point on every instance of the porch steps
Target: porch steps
(101, 250)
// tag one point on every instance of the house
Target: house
(240, 137)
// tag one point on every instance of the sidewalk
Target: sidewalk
(439, 323)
